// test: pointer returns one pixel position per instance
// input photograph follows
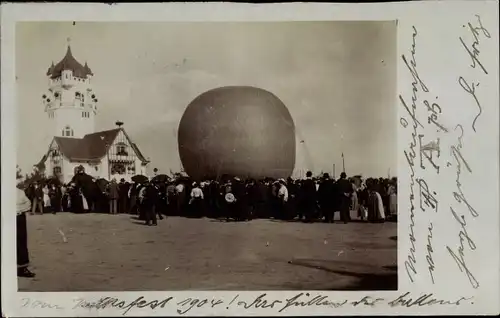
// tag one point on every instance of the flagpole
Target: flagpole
(343, 163)
(334, 171)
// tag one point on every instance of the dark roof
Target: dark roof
(87, 69)
(41, 164)
(69, 63)
(91, 146)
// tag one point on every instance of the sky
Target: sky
(337, 79)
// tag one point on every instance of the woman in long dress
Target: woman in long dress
(354, 198)
(85, 203)
(393, 200)
(376, 211)
(362, 195)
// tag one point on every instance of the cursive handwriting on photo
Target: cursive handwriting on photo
(264, 301)
(428, 152)
(478, 32)
(463, 209)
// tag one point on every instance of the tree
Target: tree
(35, 176)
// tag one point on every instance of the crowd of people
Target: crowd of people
(310, 199)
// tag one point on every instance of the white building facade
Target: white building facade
(71, 105)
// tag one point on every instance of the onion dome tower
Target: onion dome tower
(70, 101)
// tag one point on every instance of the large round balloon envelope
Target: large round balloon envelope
(237, 131)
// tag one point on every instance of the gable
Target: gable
(123, 140)
(53, 145)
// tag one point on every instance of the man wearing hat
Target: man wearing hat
(308, 195)
(123, 188)
(326, 194)
(149, 197)
(113, 193)
(23, 205)
(344, 188)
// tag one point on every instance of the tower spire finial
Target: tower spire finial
(68, 39)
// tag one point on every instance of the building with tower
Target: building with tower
(72, 107)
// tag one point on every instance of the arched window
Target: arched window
(121, 149)
(67, 132)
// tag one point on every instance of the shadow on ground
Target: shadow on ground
(315, 221)
(385, 278)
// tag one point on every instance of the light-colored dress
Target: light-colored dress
(354, 198)
(46, 198)
(84, 202)
(393, 201)
(381, 212)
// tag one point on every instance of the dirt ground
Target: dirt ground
(101, 252)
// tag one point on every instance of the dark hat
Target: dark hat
(343, 175)
(326, 176)
(309, 174)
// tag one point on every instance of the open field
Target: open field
(101, 252)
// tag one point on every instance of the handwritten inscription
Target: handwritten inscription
(190, 303)
(458, 194)
(410, 154)
(125, 306)
(478, 32)
(427, 150)
(37, 304)
(262, 302)
(424, 300)
(427, 199)
(305, 300)
(463, 208)
(430, 251)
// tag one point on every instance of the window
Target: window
(131, 170)
(121, 149)
(118, 168)
(57, 171)
(67, 132)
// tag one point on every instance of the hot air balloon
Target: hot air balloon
(237, 131)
